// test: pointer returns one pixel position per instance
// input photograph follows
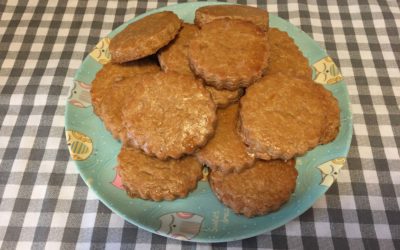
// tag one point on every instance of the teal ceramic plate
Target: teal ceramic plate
(200, 217)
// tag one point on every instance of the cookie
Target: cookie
(225, 151)
(285, 56)
(113, 104)
(208, 14)
(259, 190)
(109, 88)
(282, 117)
(174, 57)
(102, 83)
(148, 178)
(144, 37)
(169, 115)
(332, 117)
(229, 53)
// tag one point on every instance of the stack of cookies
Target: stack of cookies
(228, 92)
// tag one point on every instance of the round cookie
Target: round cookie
(285, 56)
(225, 151)
(148, 178)
(113, 104)
(208, 14)
(332, 117)
(174, 57)
(101, 85)
(229, 53)
(259, 190)
(169, 115)
(282, 117)
(144, 37)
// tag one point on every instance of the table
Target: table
(45, 204)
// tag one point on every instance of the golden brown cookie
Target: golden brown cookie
(147, 177)
(282, 117)
(102, 83)
(169, 114)
(332, 117)
(174, 57)
(223, 97)
(259, 190)
(144, 37)
(225, 151)
(229, 53)
(285, 56)
(207, 14)
(112, 106)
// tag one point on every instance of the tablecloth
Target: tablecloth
(45, 204)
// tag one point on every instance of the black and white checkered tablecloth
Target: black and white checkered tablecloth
(45, 204)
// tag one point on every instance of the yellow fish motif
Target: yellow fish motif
(80, 146)
(101, 53)
(326, 71)
(330, 170)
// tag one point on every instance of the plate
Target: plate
(200, 217)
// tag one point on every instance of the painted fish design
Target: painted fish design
(80, 146)
(80, 95)
(326, 71)
(101, 53)
(181, 225)
(330, 170)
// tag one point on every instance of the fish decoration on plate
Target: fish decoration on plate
(330, 170)
(101, 53)
(80, 145)
(181, 225)
(326, 71)
(80, 95)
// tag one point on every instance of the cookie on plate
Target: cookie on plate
(112, 106)
(285, 56)
(225, 151)
(169, 114)
(229, 53)
(111, 72)
(144, 37)
(332, 118)
(148, 178)
(207, 14)
(259, 190)
(282, 117)
(174, 57)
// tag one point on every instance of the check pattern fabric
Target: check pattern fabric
(44, 204)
